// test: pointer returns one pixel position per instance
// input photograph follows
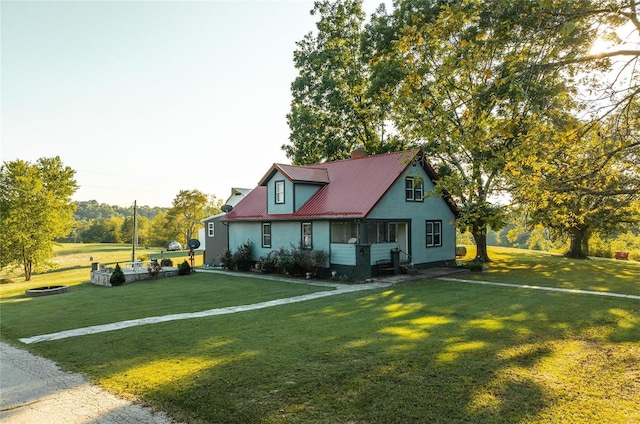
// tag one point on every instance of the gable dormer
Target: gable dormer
(289, 187)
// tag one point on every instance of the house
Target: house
(365, 212)
(213, 237)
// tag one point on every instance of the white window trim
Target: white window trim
(279, 195)
(264, 226)
(310, 244)
(436, 230)
(211, 229)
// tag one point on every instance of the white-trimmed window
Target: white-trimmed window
(266, 234)
(279, 191)
(434, 233)
(414, 189)
(210, 229)
(307, 242)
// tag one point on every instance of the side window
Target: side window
(210, 229)
(307, 242)
(266, 234)
(434, 233)
(279, 191)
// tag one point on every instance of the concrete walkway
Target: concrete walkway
(339, 289)
(553, 289)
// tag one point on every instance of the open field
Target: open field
(426, 351)
(73, 264)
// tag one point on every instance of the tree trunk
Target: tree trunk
(28, 266)
(480, 237)
(575, 249)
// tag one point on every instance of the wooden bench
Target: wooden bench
(384, 266)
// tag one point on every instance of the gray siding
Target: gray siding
(216, 245)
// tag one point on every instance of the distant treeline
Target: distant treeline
(91, 209)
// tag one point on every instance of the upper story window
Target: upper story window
(210, 229)
(434, 233)
(266, 234)
(414, 189)
(279, 191)
(307, 242)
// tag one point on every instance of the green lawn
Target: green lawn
(553, 270)
(427, 351)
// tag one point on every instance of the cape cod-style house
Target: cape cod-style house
(365, 212)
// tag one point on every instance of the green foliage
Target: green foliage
(103, 231)
(35, 208)
(183, 218)
(334, 107)
(294, 261)
(243, 258)
(117, 277)
(579, 181)
(184, 268)
(227, 260)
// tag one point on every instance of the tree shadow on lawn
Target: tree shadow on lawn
(557, 271)
(414, 353)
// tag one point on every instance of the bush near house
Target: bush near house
(294, 261)
(241, 260)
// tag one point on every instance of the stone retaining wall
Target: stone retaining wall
(101, 278)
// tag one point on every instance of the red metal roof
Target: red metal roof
(352, 187)
(309, 174)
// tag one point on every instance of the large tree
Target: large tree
(470, 91)
(35, 208)
(188, 209)
(333, 109)
(579, 173)
(580, 182)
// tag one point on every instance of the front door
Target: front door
(403, 241)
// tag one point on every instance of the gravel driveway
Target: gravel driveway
(35, 390)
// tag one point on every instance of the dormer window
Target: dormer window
(279, 191)
(414, 189)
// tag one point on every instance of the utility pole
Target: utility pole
(134, 235)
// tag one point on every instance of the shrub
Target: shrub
(117, 277)
(242, 258)
(318, 260)
(184, 268)
(299, 262)
(167, 262)
(267, 264)
(227, 260)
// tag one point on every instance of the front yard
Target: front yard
(427, 351)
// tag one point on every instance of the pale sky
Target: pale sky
(147, 98)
